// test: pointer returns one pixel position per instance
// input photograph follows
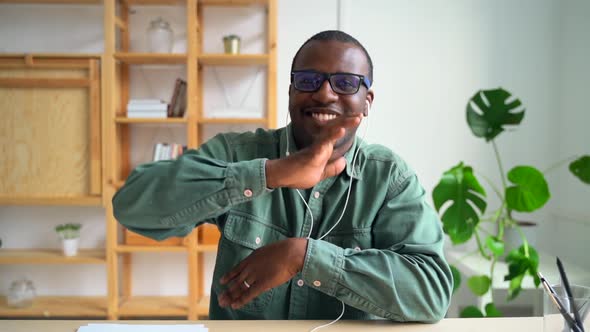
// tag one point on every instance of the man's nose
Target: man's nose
(325, 94)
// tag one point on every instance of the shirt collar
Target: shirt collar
(286, 135)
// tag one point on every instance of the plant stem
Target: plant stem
(559, 163)
(525, 243)
(491, 184)
(480, 246)
(494, 260)
(468, 254)
(499, 164)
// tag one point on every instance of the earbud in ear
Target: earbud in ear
(367, 108)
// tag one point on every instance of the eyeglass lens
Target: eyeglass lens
(340, 83)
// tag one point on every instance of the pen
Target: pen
(570, 296)
(553, 296)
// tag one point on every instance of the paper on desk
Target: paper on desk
(106, 327)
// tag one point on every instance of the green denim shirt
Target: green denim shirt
(384, 258)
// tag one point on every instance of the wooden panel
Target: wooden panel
(150, 58)
(57, 306)
(149, 248)
(132, 238)
(232, 2)
(71, 200)
(208, 234)
(95, 128)
(57, 117)
(233, 60)
(233, 121)
(51, 256)
(144, 120)
(271, 92)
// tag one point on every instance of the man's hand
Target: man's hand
(311, 165)
(265, 268)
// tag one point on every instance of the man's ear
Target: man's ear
(368, 102)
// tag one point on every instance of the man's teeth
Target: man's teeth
(323, 117)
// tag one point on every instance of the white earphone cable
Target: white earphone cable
(343, 210)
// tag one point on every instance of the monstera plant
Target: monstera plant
(461, 200)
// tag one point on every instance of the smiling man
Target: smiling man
(313, 220)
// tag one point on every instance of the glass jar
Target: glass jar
(160, 36)
(21, 294)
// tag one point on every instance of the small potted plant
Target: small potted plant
(70, 235)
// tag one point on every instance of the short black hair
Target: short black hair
(337, 35)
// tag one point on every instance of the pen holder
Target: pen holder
(553, 320)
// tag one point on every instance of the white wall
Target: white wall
(429, 57)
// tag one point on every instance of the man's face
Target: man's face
(310, 111)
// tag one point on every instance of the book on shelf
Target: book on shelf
(177, 105)
(147, 108)
(142, 101)
(147, 114)
(168, 151)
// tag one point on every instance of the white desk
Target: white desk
(520, 324)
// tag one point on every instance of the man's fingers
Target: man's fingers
(336, 129)
(247, 296)
(233, 273)
(334, 168)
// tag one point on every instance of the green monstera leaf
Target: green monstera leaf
(519, 265)
(488, 111)
(459, 186)
(530, 191)
(581, 168)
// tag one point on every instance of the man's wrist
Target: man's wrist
(300, 249)
(271, 170)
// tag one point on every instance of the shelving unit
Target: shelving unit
(117, 61)
(107, 80)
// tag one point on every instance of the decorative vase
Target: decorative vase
(70, 247)
(160, 36)
(21, 294)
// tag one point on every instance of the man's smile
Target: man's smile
(321, 115)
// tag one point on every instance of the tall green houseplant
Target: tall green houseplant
(461, 200)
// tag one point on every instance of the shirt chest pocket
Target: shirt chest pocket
(242, 234)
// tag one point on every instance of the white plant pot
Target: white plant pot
(70, 247)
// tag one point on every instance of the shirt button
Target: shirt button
(357, 248)
(317, 283)
(248, 193)
(300, 283)
(258, 240)
(316, 194)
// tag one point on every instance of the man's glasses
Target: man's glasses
(341, 83)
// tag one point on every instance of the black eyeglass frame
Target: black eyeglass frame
(326, 76)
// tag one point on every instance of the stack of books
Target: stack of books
(168, 151)
(147, 108)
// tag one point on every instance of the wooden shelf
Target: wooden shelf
(128, 248)
(154, 2)
(125, 120)
(160, 306)
(207, 248)
(78, 201)
(65, 2)
(233, 60)
(227, 3)
(232, 121)
(51, 256)
(58, 306)
(151, 58)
